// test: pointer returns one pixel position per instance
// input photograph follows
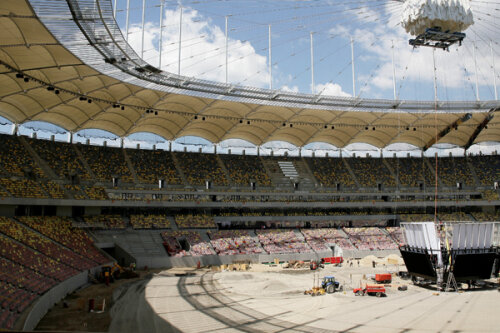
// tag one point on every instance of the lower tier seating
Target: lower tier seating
(180, 243)
(230, 242)
(35, 259)
(322, 239)
(282, 241)
(370, 239)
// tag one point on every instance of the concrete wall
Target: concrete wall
(123, 257)
(89, 210)
(168, 262)
(64, 211)
(54, 295)
(7, 210)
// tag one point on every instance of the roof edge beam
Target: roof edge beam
(446, 130)
(480, 127)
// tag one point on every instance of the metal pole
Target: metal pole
(312, 63)
(114, 9)
(393, 72)
(160, 46)
(226, 49)
(127, 20)
(353, 74)
(270, 61)
(435, 76)
(475, 69)
(180, 39)
(494, 74)
(436, 134)
(143, 22)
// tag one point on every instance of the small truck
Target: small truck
(383, 278)
(372, 290)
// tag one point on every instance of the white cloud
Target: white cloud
(203, 50)
(455, 69)
(286, 88)
(331, 89)
(373, 30)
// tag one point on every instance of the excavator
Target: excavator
(116, 272)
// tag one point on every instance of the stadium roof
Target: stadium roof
(66, 63)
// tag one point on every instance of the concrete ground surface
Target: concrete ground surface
(71, 313)
(271, 299)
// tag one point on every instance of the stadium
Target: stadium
(145, 186)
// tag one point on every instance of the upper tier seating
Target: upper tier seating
(149, 221)
(53, 189)
(455, 217)
(24, 188)
(195, 221)
(61, 157)
(371, 171)
(453, 170)
(3, 193)
(106, 221)
(21, 175)
(153, 165)
(412, 171)
(486, 217)
(14, 159)
(322, 239)
(60, 230)
(198, 168)
(197, 248)
(229, 242)
(27, 188)
(95, 193)
(367, 238)
(245, 169)
(76, 191)
(282, 241)
(331, 171)
(490, 195)
(487, 168)
(416, 217)
(106, 163)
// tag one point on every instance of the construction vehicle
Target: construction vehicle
(115, 272)
(330, 285)
(372, 290)
(112, 271)
(383, 278)
(314, 265)
(316, 290)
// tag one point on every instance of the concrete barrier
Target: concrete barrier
(54, 295)
(215, 260)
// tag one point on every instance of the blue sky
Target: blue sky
(374, 26)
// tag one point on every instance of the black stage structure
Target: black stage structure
(451, 252)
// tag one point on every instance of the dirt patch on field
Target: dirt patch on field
(72, 313)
